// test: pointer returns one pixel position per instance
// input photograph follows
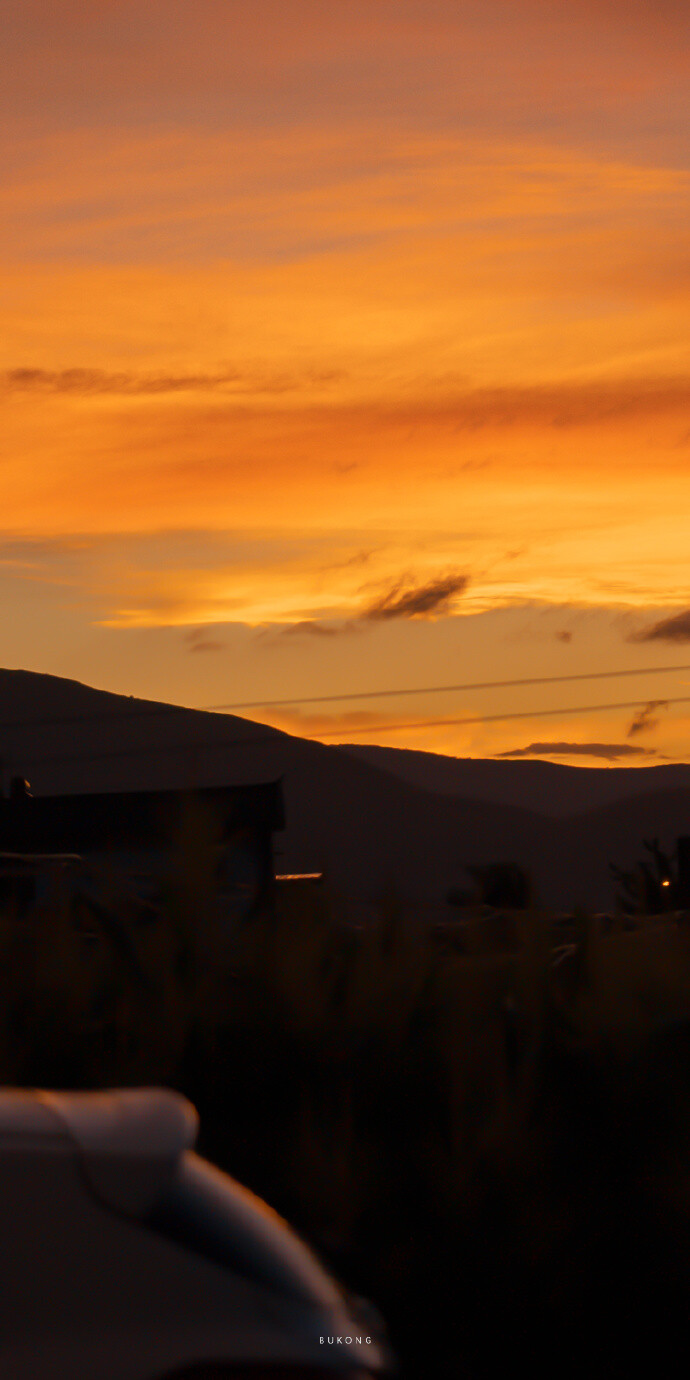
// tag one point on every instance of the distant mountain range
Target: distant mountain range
(547, 787)
(349, 811)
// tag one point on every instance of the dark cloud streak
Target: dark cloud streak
(643, 720)
(82, 382)
(674, 629)
(562, 406)
(609, 751)
(406, 600)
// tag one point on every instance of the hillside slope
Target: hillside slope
(547, 787)
(367, 829)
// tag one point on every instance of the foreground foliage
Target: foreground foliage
(485, 1130)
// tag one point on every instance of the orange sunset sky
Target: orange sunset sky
(345, 349)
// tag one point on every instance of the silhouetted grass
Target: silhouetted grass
(486, 1130)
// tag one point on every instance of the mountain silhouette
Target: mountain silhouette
(368, 830)
(548, 787)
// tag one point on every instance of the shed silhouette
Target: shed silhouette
(140, 833)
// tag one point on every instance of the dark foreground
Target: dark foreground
(487, 1133)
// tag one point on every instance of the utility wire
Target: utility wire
(494, 718)
(137, 710)
(439, 689)
(273, 733)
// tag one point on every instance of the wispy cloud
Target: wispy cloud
(406, 599)
(563, 406)
(608, 751)
(287, 275)
(95, 382)
(453, 404)
(674, 629)
(644, 719)
(389, 59)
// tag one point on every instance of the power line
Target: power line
(274, 734)
(494, 718)
(125, 713)
(439, 689)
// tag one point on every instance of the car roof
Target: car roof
(128, 1141)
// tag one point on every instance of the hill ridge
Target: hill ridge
(350, 818)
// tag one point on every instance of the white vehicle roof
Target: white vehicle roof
(128, 1140)
(130, 1255)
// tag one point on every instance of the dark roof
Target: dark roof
(136, 819)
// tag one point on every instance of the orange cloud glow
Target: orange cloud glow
(330, 317)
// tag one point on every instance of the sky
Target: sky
(345, 350)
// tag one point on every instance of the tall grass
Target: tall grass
(486, 1131)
